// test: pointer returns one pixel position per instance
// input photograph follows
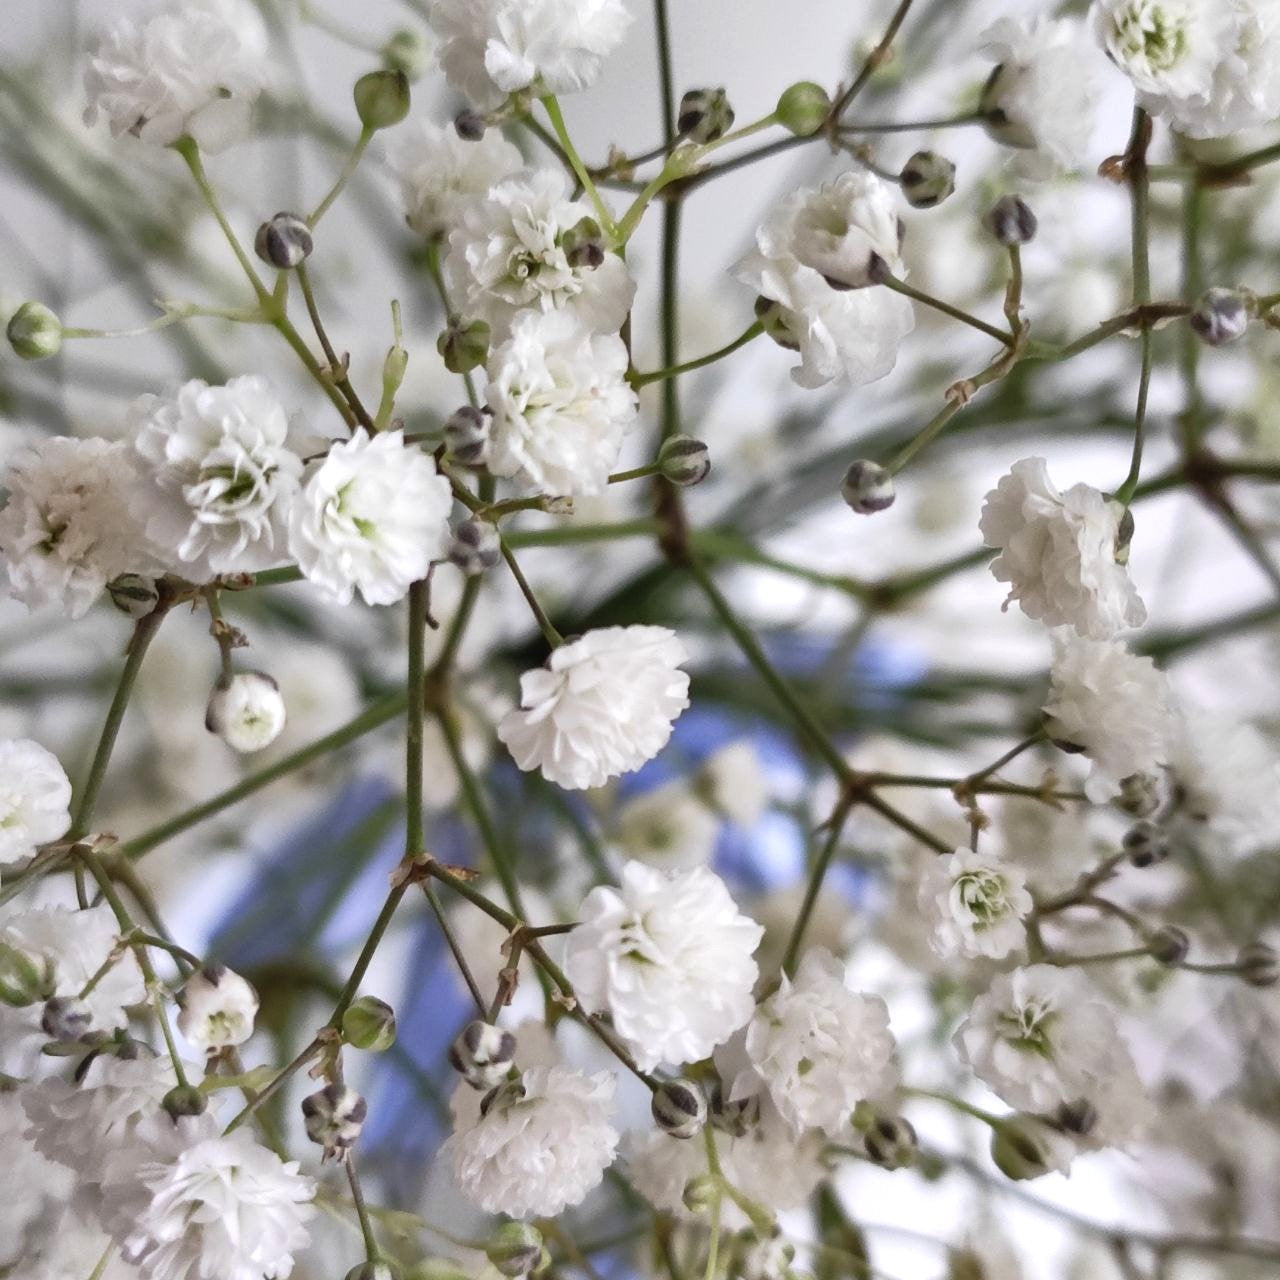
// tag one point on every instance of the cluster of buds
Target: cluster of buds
(482, 1054)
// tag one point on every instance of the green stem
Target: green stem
(366, 1224)
(917, 295)
(337, 372)
(549, 633)
(554, 114)
(813, 888)
(348, 169)
(644, 379)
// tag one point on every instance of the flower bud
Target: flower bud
(679, 1108)
(684, 460)
(583, 244)
(463, 347)
(705, 115)
(370, 1024)
(774, 321)
(64, 1018)
(379, 1269)
(1257, 964)
(469, 125)
(23, 980)
(333, 1118)
(1140, 794)
(890, 1142)
(184, 1100)
(246, 711)
(1020, 1148)
(381, 98)
(466, 436)
(1221, 316)
(218, 1009)
(995, 119)
(803, 108)
(927, 179)
(482, 1053)
(476, 547)
(284, 241)
(700, 1193)
(134, 595)
(867, 487)
(1078, 1117)
(406, 51)
(1169, 945)
(1145, 844)
(34, 331)
(735, 1117)
(515, 1248)
(1011, 221)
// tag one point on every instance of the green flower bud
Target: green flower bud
(515, 1248)
(700, 1193)
(583, 244)
(382, 98)
(408, 52)
(684, 460)
(705, 115)
(890, 1142)
(184, 1100)
(803, 108)
(370, 1024)
(1020, 1147)
(34, 331)
(463, 347)
(23, 982)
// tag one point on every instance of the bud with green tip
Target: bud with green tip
(890, 1142)
(284, 241)
(679, 1108)
(803, 108)
(1220, 316)
(704, 115)
(773, 320)
(65, 1019)
(34, 331)
(583, 244)
(1168, 945)
(23, 981)
(1257, 964)
(370, 1024)
(867, 487)
(700, 1193)
(1011, 221)
(515, 1248)
(382, 98)
(406, 51)
(1020, 1147)
(927, 179)
(134, 595)
(184, 1100)
(684, 460)
(463, 347)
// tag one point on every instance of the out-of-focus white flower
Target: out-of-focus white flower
(218, 1009)
(602, 706)
(818, 1047)
(735, 784)
(186, 1202)
(1043, 95)
(508, 255)
(221, 474)
(1227, 775)
(974, 904)
(246, 711)
(1042, 1036)
(540, 1144)
(561, 405)
(35, 798)
(31, 1184)
(492, 48)
(816, 256)
(440, 172)
(71, 522)
(1112, 703)
(193, 68)
(1058, 552)
(669, 827)
(372, 516)
(669, 957)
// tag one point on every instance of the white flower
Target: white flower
(1043, 95)
(440, 172)
(222, 475)
(507, 255)
(373, 516)
(31, 1188)
(1040, 1037)
(847, 331)
(218, 1009)
(561, 405)
(603, 705)
(1246, 86)
(246, 711)
(1058, 552)
(542, 1143)
(492, 48)
(35, 799)
(669, 827)
(1113, 704)
(185, 1202)
(71, 522)
(1227, 775)
(819, 1047)
(194, 68)
(975, 904)
(735, 783)
(669, 958)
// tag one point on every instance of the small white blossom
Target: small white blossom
(373, 516)
(193, 68)
(507, 255)
(542, 1143)
(492, 48)
(819, 1047)
(735, 783)
(35, 799)
(1058, 552)
(1042, 1036)
(602, 706)
(246, 711)
(669, 827)
(71, 522)
(1112, 703)
(974, 904)
(1227, 775)
(222, 475)
(815, 256)
(218, 1009)
(440, 172)
(669, 957)
(561, 405)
